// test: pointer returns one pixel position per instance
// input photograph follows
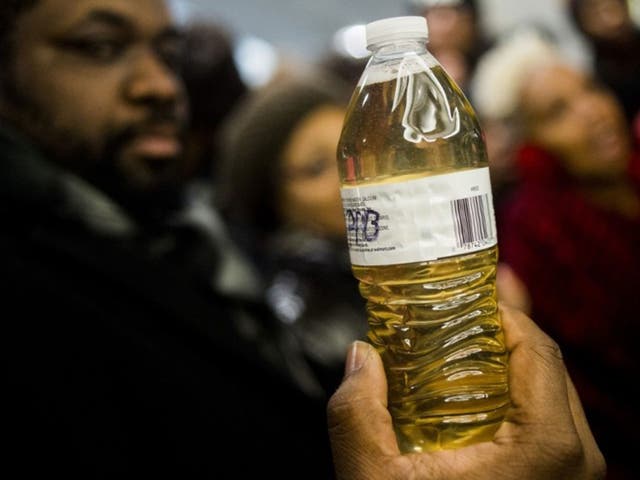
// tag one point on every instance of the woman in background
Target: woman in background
(279, 191)
(570, 229)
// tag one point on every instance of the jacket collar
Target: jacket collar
(28, 179)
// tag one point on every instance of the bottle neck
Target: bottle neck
(398, 47)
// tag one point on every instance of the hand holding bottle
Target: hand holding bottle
(545, 434)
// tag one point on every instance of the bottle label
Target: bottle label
(421, 219)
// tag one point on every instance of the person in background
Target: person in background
(493, 100)
(279, 191)
(545, 435)
(456, 36)
(570, 230)
(122, 356)
(214, 87)
(615, 39)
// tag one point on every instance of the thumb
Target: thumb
(360, 426)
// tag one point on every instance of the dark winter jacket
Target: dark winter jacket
(118, 362)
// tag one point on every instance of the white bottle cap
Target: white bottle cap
(396, 28)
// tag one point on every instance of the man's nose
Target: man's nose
(151, 80)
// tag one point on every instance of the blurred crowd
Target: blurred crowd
(251, 212)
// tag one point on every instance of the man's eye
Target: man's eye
(98, 49)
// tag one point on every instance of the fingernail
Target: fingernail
(357, 356)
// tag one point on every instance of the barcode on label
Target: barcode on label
(471, 219)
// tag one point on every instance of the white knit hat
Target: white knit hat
(500, 73)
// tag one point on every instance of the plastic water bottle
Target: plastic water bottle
(421, 230)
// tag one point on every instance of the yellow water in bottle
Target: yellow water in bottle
(421, 230)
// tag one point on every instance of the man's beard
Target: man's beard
(146, 204)
(97, 164)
